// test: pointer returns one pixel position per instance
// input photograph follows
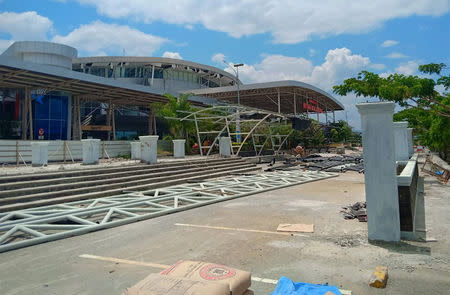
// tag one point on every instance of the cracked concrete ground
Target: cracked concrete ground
(337, 252)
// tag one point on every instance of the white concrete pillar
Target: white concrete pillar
(149, 148)
(380, 171)
(91, 151)
(135, 150)
(179, 148)
(401, 141)
(225, 146)
(410, 141)
(39, 153)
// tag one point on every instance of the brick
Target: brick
(379, 277)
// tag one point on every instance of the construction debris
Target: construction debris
(302, 228)
(379, 277)
(437, 167)
(356, 210)
(342, 163)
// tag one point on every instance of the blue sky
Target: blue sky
(317, 42)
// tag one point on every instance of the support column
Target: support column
(279, 101)
(149, 148)
(179, 148)
(380, 171)
(108, 120)
(39, 153)
(113, 118)
(410, 141)
(401, 141)
(295, 105)
(25, 114)
(91, 151)
(30, 116)
(225, 146)
(334, 118)
(150, 120)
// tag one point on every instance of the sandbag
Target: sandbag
(157, 284)
(286, 286)
(238, 280)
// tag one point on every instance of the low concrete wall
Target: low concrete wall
(19, 151)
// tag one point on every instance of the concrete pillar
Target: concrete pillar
(39, 153)
(179, 148)
(409, 134)
(149, 148)
(380, 171)
(135, 150)
(91, 151)
(401, 141)
(225, 146)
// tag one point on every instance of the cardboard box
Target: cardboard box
(238, 280)
(157, 284)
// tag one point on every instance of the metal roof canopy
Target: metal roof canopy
(280, 96)
(19, 74)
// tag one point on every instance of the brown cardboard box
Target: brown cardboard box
(238, 280)
(157, 284)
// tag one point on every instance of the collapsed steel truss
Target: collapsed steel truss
(43, 224)
(260, 130)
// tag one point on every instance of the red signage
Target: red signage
(313, 101)
(313, 108)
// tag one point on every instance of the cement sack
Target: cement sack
(157, 284)
(238, 280)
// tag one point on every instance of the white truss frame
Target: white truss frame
(43, 224)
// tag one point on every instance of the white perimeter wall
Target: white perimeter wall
(18, 151)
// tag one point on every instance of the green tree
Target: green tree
(173, 111)
(426, 110)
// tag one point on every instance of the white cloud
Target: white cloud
(408, 68)
(97, 38)
(389, 43)
(25, 26)
(287, 21)
(312, 52)
(395, 55)
(170, 54)
(218, 58)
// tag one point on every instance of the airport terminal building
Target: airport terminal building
(48, 92)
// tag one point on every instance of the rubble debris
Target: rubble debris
(379, 277)
(302, 228)
(356, 210)
(339, 163)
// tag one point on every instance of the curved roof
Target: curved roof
(156, 61)
(265, 96)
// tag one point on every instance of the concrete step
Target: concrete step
(68, 187)
(146, 169)
(105, 170)
(181, 178)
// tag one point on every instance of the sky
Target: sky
(320, 42)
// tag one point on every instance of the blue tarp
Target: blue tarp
(286, 286)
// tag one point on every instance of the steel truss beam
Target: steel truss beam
(43, 224)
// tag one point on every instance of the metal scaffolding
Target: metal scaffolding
(43, 224)
(257, 128)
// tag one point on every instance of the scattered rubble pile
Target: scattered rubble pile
(356, 210)
(334, 164)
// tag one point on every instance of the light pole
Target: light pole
(238, 125)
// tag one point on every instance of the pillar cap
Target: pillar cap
(39, 143)
(375, 107)
(91, 139)
(179, 140)
(400, 124)
(149, 137)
